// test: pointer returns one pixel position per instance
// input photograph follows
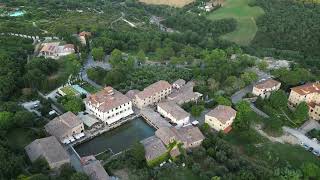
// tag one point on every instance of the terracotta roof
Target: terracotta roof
(174, 152)
(307, 88)
(313, 104)
(153, 89)
(222, 113)
(266, 84)
(153, 147)
(179, 82)
(154, 118)
(227, 129)
(172, 108)
(85, 33)
(93, 168)
(50, 47)
(107, 99)
(48, 148)
(68, 46)
(187, 134)
(61, 125)
(130, 94)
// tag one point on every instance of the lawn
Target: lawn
(69, 91)
(245, 16)
(88, 87)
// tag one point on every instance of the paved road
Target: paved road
(258, 111)
(30, 107)
(302, 138)
(236, 97)
(90, 64)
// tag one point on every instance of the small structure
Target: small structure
(88, 119)
(93, 168)
(309, 93)
(265, 88)
(83, 36)
(221, 118)
(153, 118)
(153, 94)
(154, 148)
(183, 93)
(174, 112)
(50, 149)
(178, 84)
(54, 50)
(175, 152)
(65, 127)
(109, 105)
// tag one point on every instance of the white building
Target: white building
(152, 94)
(54, 50)
(109, 105)
(266, 87)
(221, 118)
(174, 112)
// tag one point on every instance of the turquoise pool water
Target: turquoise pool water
(80, 89)
(17, 13)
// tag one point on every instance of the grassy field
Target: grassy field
(69, 91)
(245, 16)
(173, 3)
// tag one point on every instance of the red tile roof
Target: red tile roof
(153, 89)
(266, 84)
(307, 88)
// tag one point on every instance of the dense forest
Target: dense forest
(292, 27)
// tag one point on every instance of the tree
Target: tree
(141, 57)
(38, 177)
(242, 122)
(116, 58)
(301, 113)
(278, 99)
(310, 171)
(213, 84)
(6, 120)
(40, 165)
(196, 110)
(263, 65)
(72, 103)
(223, 101)
(137, 153)
(249, 77)
(79, 176)
(98, 53)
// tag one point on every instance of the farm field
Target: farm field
(245, 16)
(174, 3)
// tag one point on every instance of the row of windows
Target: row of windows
(128, 109)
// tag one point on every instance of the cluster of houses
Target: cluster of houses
(57, 49)
(159, 104)
(309, 93)
(211, 5)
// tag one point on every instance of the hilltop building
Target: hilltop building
(152, 94)
(309, 93)
(221, 118)
(265, 88)
(173, 112)
(50, 149)
(64, 127)
(54, 50)
(109, 105)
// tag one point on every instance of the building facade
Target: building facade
(309, 93)
(65, 126)
(265, 88)
(55, 51)
(152, 94)
(221, 118)
(174, 112)
(109, 105)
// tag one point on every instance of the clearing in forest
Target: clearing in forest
(173, 3)
(245, 16)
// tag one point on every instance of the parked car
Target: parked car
(310, 149)
(316, 153)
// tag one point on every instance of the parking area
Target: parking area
(32, 106)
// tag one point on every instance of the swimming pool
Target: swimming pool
(17, 13)
(80, 89)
